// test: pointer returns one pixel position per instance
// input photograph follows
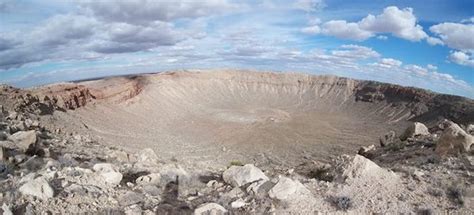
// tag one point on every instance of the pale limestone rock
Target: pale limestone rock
(24, 140)
(210, 209)
(241, 175)
(454, 140)
(38, 187)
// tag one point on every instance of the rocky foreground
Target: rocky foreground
(424, 170)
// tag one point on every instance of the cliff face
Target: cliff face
(422, 105)
(70, 96)
(425, 106)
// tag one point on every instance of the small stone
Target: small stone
(387, 138)
(133, 210)
(38, 187)
(148, 155)
(171, 172)
(260, 188)
(30, 124)
(150, 179)
(417, 174)
(212, 183)
(238, 203)
(151, 190)
(470, 129)
(12, 115)
(290, 171)
(3, 168)
(108, 173)
(121, 156)
(241, 175)
(210, 209)
(19, 158)
(147, 160)
(130, 198)
(3, 155)
(366, 151)
(3, 136)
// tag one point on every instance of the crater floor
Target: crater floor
(213, 118)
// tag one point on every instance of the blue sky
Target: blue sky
(426, 44)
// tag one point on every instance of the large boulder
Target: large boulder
(361, 168)
(414, 130)
(210, 209)
(287, 188)
(38, 187)
(24, 140)
(454, 140)
(109, 173)
(241, 175)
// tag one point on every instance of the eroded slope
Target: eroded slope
(216, 117)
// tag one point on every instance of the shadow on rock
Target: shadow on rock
(171, 204)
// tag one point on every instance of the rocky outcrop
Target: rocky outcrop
(424, 105)
(73, 97)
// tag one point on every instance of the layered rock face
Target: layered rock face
(219, 113)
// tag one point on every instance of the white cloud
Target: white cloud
(355, 52)
(401, 23)
(6, 5)
(470, 20)
(462, 58)
(311, 30)
(455, 35)
(389, 63)
(417, 70)
(382, 37)
(98, 28)
(309, 5)
(145, 11)
(431, 67)
(345, 30)
(434, 41)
